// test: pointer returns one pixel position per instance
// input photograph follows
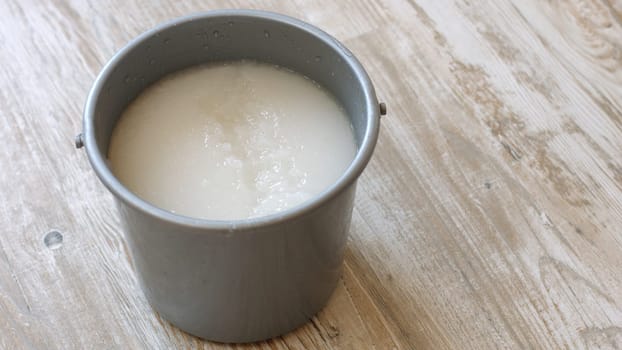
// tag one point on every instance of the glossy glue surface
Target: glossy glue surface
(231, 141)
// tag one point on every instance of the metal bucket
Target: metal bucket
(243, 280)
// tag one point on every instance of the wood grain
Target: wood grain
(490, 216)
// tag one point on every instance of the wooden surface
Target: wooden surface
(490, 216)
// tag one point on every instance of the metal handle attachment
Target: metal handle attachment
(383, 108)
(79, 141)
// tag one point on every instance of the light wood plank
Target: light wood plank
(489, 217)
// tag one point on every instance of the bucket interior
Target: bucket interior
(207, 39)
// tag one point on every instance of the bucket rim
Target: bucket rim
(349, 177)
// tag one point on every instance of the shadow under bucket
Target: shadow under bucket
(243, 280)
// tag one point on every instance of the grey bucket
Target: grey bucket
(245, 280)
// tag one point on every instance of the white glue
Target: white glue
(231, 141)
